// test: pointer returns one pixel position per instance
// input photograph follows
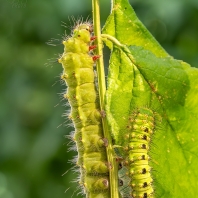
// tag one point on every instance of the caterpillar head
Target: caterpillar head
(83, 32)
(80, 40)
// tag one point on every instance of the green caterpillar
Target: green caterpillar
(135, 164)
(78, 73)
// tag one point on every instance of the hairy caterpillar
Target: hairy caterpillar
(78, 73)
(136, 165)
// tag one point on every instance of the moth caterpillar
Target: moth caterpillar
(78, 73)
(141, 126)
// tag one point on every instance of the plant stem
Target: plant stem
(118, 44)
(113, 170)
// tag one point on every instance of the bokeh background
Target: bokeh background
(33, 150)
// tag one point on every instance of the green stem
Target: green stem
(118, 44)
(113, 169)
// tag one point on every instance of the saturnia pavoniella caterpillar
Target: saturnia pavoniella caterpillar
(78, 73)
(136, 165)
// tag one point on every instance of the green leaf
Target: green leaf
(144, 76)
(124, 25)
(167, 87)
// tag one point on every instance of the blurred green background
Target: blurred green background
(33, 150)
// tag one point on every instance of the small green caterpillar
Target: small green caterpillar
(78, 73)
(136, 164)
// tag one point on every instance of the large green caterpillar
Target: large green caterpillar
(135, 164)
(78, 73)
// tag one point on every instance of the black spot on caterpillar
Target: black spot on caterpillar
(136, 171)
(78, 73)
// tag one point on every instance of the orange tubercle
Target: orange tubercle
(95, 57)
(92, 47)
(93, 38)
